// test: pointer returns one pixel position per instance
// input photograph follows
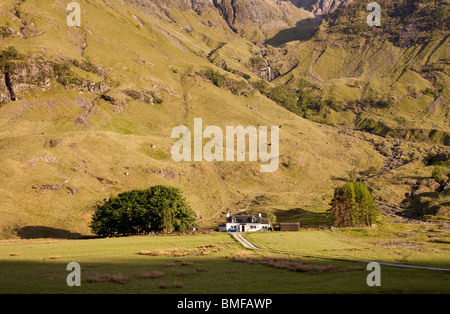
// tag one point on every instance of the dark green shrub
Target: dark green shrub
(64, 74)
(158, 100)
(89, 66)
(7, 58)
(239, 87)
(285, 96)
(262, 86)
(258, 61)
(441, 175)
(4, 32)
(215, 77)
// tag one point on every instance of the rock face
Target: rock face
(241, 12)
(24, 76)
(319, 7)
(39, 74)
(4, 93)
(252, 19)
(258, 20)
(200, 5)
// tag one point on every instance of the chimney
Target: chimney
(260, 215)
(228, 215)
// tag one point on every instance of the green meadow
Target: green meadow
(410, 244)
(204, 264)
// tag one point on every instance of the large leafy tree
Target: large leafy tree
(157, 209)
(8, 57)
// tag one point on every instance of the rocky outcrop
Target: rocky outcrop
(252, 19)
(319, 7)
(227, 9)
(36, 73)
(24, 76)
(88, 106)
(4, 93)
(239, 13)
(200, 6)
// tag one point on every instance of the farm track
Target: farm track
(247, 244)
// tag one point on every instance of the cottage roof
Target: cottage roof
(242, 219)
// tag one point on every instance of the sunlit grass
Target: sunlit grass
(117, 266)
(413, 244)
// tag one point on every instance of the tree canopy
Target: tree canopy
(157, 209)
(353, 206)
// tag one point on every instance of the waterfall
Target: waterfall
(269, 69)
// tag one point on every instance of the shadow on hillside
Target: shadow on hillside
(40, 232)
(306, 218)
(419, 205)
(303, 30)
(343, 179)
(424, 198)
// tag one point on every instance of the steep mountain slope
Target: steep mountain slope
(320, 7)
(93, 108)
(258, 20)
(389, 80)
(392, 81)
(87, 112)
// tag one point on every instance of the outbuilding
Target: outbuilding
(284, 226)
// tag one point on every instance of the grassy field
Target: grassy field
(411, 244)
(207, 264)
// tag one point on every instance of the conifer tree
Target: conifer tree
(352, 206)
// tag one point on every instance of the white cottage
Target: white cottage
(244, 224)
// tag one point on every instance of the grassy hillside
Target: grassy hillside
(390, 80)
(96, 105)
(87, 112)
(405, 23)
